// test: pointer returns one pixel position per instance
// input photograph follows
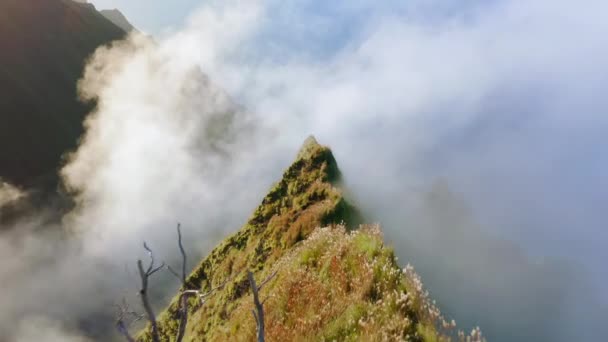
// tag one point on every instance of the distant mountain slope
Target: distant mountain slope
(118, 19)
(43, 49)
(331, 283)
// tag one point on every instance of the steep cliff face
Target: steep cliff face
(44, 46)
(332, 283)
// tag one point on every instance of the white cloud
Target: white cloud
(9, 193)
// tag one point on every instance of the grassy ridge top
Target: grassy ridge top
(333, 283)
(335, 286)
(307, 197)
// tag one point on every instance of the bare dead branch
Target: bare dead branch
(156, 269)
(258, 313)
(269, 278)
(123, 322)
(122, 328)
(174, 273)
(186, 293)
(145, 273)
(143, 292)
(181, 249)
(183, 299)
(203, 296)
(124, 310)
(151, 257)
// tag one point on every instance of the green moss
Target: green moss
(371, 247)
(346, 326)
(343, 211)
(427, 333)
(310, 257)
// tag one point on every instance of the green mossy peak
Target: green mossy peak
(307, 197)
(309, 147)
(318, 155)
(333, 283)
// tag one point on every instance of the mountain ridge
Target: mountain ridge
(307, 183)
(118, 18)
(329, 277)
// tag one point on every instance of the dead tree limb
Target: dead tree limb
(186, 293)
(183, 298)
(124, 330)
(143, 292)
(125, 318)
(122, 325)
(265, 281)
(258, 312)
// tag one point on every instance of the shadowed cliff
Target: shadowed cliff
(44, 45)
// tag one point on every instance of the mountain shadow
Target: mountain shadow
(45, 45)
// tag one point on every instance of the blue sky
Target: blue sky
(156, 16)
(152, 16)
